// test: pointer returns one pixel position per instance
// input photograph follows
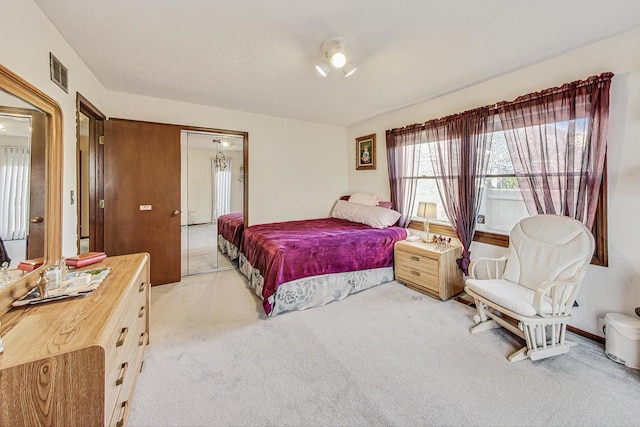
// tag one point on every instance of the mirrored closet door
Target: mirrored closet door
(212, 185)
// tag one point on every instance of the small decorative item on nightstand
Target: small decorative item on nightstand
(441, 243)
(425, 269)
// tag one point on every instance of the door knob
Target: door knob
(176, 212)
(37, 219)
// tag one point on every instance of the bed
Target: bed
(297, 265)
(230, 228)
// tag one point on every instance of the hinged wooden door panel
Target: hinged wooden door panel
(142, 193)
(37, 220)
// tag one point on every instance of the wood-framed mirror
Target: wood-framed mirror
(29, 97)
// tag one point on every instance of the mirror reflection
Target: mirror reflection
(212, 185)
(22, 180)
(83, 180)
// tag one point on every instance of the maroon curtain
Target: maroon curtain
(460, 149)
(557, 140)
(403, 148)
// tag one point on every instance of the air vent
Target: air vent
(58, 73)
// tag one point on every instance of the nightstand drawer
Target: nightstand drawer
(418, 278)
(417, 262)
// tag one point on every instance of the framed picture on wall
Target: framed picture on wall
(366, 152)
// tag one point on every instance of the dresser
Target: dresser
(76, 361)
(428, 270)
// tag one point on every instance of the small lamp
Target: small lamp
(427, 210)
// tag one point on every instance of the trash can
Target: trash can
(622, 343)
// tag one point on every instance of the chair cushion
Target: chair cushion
(547, 247)
(509, 295)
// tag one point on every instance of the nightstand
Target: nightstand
(428, 270)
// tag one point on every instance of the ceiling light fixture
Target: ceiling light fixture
(336, 52)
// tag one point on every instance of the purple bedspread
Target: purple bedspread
(230, 226)
(286, 251)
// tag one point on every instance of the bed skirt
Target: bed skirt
(315, 291)
(226, 247)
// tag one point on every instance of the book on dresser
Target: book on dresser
(85, 259)
(30, 264)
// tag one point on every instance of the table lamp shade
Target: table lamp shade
(427, 210)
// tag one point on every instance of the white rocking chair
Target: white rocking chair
(532, 290)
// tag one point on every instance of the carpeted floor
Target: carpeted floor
(385, 356)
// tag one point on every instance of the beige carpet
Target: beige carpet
(385, 356)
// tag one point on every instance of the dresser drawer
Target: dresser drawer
(123, 345)
(121, 409)
(122, 365)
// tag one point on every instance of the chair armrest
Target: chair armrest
(487, 268)
(561, 294)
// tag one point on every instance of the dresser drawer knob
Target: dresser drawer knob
(415, 273)
(142, 340)
(122, 337)
(125, 414)
(123, 373)
(141, 313)
(141, 288)
(414, 258)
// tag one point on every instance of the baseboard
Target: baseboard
(463, 298)
(585, 334)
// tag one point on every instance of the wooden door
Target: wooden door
(142, 194)
(91, 177)
(37, 220)
(96, 190)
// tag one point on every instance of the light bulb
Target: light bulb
(323, 68)
(338, 59)
(349, 69)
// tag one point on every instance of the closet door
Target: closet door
(142, 194)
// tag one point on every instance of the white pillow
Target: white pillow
(364, 199)
(372, 216)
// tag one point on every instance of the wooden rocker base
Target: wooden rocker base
(484, 326)
(539, 352)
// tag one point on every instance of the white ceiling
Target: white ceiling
(259, 55)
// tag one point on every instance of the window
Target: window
(502, 205)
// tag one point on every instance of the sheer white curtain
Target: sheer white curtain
(14, 192)
(222, 189)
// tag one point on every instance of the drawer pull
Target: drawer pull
(415, 273)
(125, 414)
(122, 337)
(141, 288)
(414, 258)
(123, 373)
(142, 339)
(141, 313)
